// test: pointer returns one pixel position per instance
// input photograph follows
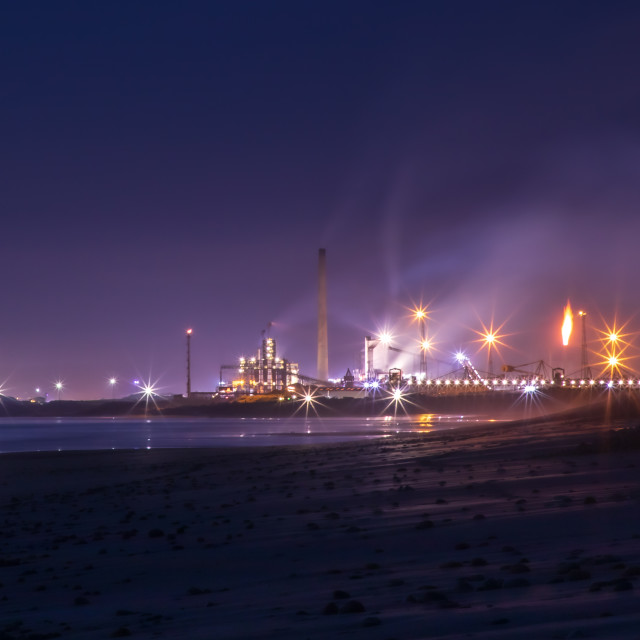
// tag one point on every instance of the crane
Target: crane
(541, 371)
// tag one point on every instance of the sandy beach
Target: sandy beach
(518, 530)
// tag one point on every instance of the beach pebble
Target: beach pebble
(353, 606)
(330, 609)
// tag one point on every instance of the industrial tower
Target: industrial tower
(189, 332)
(323, 340)
(584, 363)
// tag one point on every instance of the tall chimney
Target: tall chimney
(323, 340)
(189, 332)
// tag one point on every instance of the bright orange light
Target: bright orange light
(426, 345)
(419, 312)
(615, 333)
(613, 359)
(491, 337)
(189, 332)
(616, 351)
(567, 324)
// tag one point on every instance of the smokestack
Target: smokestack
(323, 340)
(189, 332)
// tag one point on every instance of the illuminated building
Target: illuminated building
(264, 373)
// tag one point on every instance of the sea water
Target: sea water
(67, 434)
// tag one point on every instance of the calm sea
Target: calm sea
(66, 434)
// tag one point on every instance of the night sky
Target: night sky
(166, 165)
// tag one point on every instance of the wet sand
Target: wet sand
(523, 530)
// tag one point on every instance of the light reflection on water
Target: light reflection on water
(64, 434)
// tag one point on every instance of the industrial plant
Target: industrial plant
(266, 374)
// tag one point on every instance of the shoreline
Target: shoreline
(529, 530)
(512, 404)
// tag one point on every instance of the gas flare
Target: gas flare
(567, 324)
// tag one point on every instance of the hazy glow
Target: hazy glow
(567, 324)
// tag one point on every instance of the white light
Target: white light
(148, 390)
(385, 337)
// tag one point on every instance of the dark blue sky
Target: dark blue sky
(167, 165)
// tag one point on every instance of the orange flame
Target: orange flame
(567, 324)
